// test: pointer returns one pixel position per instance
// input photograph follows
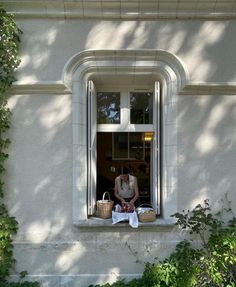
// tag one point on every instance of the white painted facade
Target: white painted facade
(63, 46)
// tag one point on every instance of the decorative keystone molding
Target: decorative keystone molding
(123, 9)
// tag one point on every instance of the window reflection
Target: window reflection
(136, 145)
(120, 145)
(108, 105)
(141, 108)
(132, 146)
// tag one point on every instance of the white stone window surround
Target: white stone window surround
(158, 64)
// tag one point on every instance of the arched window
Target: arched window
(100, 112)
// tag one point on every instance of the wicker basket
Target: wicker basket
(146, 214)
(104, 206)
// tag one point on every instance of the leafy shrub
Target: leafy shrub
(20, 284)
(211, 265)
(217, 258)
(123, 283)
(177, 270)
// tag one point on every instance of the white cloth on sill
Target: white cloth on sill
(132, 217)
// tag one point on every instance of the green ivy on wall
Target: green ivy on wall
(9, 61)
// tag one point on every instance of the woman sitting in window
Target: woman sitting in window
(126, 188)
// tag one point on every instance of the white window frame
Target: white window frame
(124, 126)
(128, 155)
(92, 146)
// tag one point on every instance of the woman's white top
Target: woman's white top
(127, 188)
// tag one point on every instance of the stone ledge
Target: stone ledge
(104, 224)
(209, 89)
(41, 88)
(193, 89)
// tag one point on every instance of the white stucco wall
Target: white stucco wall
(39, 179)
(204, 46)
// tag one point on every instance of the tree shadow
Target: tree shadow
(39, 179)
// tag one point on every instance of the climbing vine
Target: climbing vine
(9, 61)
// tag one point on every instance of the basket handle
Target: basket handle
(145, 204)
(104, 194)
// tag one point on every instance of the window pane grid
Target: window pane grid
(128, 115)
(141, 108)
(108, 107)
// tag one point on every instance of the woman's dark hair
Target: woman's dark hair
(124, 170)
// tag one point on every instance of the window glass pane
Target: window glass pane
(141, 108)
(120, 145)
(136, 145)
(108, 105)
(108, 167)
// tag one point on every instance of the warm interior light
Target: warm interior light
(148, 136)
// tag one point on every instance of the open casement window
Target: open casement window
(124, 129)
(92, 147)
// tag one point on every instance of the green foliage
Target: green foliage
(217, 262)
(8, 227)
(20, 284)
(123, 283)
(9, 50)
(9, 61)
(211, 265)
(175, 271)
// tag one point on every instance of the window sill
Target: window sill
(159, 224)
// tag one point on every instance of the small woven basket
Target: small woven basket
(104, 206)
(146, 214)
